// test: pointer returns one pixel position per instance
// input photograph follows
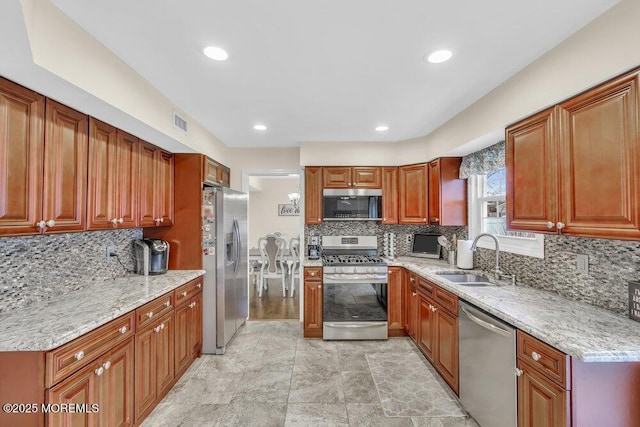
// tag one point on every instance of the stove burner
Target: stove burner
(352, 260)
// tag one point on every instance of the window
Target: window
(488, 214)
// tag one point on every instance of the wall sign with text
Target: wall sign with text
(288, 210)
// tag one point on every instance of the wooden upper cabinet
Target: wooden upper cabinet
(447, 192)
(352, 177)
(225, 176)
(155, 200)
(389, 195)
(113, 177)
(599, 161)
(21, 145)
(336, 177)
(313, 195)
(412, 200)
(210, 170)
(65, 168)
(532, 178)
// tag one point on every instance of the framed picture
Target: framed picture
(288, 210)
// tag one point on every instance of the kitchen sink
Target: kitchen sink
(465, 279)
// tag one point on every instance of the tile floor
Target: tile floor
(271, 376)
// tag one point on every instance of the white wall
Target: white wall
(263, 208)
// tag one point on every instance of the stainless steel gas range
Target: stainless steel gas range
(354, 296)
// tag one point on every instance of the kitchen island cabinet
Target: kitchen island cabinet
(574, 169)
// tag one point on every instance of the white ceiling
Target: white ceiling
(328, 70)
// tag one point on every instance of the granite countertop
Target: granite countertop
(586, 332)
(306, 262)
(49, 324)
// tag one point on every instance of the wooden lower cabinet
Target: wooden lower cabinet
(426, 327)
(446, 352)
(154, 362)
(188, 336)
(102, 389)
(394, 302)
(411, 305)
(541, 402)
(313, 302)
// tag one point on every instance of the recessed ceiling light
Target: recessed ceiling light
(382, 128)
(216, 53)
(438, 56)
(260, 127)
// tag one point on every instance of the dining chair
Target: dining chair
(294, 270)
(271, 254)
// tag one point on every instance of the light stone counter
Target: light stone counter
(311, 262)
(49, 324)
(589, 333)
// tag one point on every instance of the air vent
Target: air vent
(179, 122)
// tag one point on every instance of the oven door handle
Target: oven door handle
(352, 326)
(348, 279)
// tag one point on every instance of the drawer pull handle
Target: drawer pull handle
(535, 356)
(99, 371)
(123, 330)
(150, 314)
(199, 285)
(184, 294)
(79, 355)
(519, 372)
(107, 365)
(167, 304)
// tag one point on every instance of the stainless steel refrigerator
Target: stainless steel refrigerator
(225, 292)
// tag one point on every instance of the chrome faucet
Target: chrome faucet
(497, 273)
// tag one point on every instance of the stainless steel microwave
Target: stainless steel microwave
(352, 204)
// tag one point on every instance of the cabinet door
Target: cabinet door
(446, 358)
(447, 192)
(165, 188)
(313, 195)
(600, 163)
(434, 192)
(413, 194)
(541, 403)
(126, 179)
(210, 171)
(165, 352)
(182, 351)
(366, 177)
(146, 195)
(195, 331)
(426, 327)
(312, 303)
(21, 145)
(389, 195)
(532, 178)
(225, 176)
(413, 312)
(79, 389)
(102, 177)
(336, 177)
(116, 386)
(394, 299)
(145, 371)
(65, 168)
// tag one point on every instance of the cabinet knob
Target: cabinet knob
(114, 221)
(434, 219)
(167, 303)
(120, 220)
(312, 274)
(150, 314)
(560, 225)
(535, 356)
(550, 225)
(319, 219)
(424, 219)
(51, 223)
(99, 371)
(434, 309)
(519, 372)
(123, 330)
(156, 329)
(384, 219)
(199, 286)
(162, 326)
(414, 294)
(41, 224)
(79, 355)
(107, 365)
(184, 294)
(349, 184)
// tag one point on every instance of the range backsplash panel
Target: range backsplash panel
(34, 268)
(612, 263)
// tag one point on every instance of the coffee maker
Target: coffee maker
(313, 247)
(152, 256)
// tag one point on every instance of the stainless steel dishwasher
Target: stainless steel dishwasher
(488, 383)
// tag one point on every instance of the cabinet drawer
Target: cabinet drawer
(425, 285)
(186, 291)
(312, 272)
(447, 300)
(547, 360)
(153, 310)
(68, 358)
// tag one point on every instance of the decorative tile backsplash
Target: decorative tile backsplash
(34, 268)
(612, 263)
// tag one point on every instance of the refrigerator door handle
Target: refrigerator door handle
(236, 235)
